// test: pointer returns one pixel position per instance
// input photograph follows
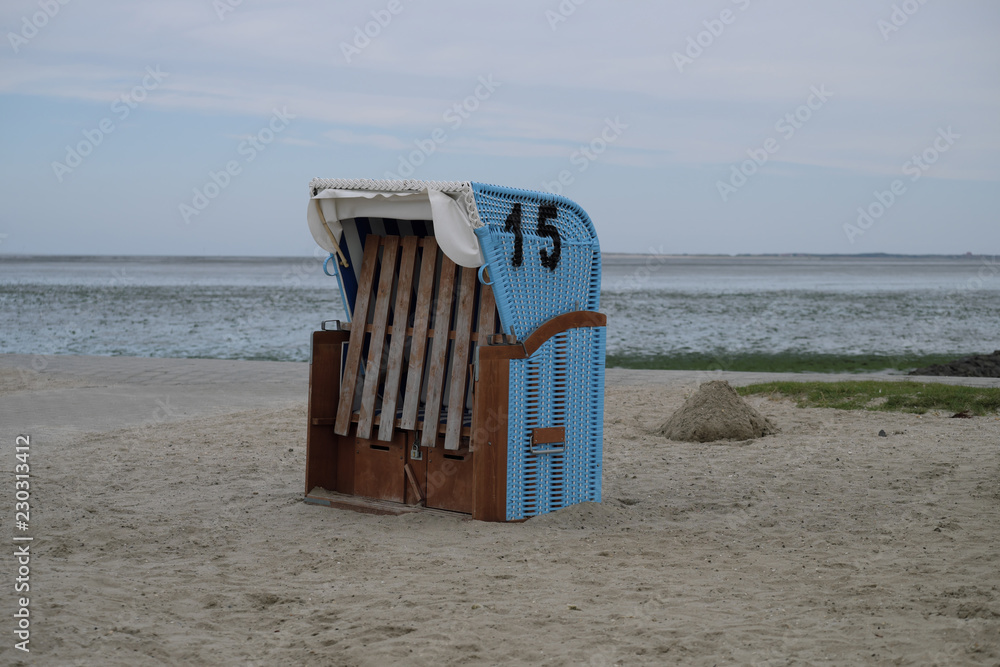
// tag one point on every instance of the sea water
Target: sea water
(266, 308)
(802, 305)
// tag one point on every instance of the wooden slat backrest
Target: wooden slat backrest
(447, 363)
(437, 367)
(373, 369)
(460, 357)
(422, 309)
(487, 314)
(404, 292)
(358, 321)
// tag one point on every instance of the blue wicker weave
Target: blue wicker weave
(527, 291)
(562, 383)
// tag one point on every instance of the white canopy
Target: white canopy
(453, 228)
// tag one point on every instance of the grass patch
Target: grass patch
(884, 396)
(782, 362)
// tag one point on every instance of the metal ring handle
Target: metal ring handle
(326, 262)
(551, 450)
(481, 270)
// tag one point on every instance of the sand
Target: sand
(13, 381)
(186, 542)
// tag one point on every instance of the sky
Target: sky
(192, 127)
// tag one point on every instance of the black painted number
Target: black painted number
(513, 224)
(546, 212)
(549, 260)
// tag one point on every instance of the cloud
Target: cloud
(292, 141)
(383, 141)
(557, 87)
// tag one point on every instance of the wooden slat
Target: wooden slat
(460, 357)
(486, 325)
(390, 248)
(414, 485)
(442, 428)
(389, 330)
(404, 291)
(357, 339)
(487, 314)
(439, 351)
(425, 292)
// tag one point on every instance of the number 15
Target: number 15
(513, 224)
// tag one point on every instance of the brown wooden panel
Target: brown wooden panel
(373, 370)
(360, 317)
(404, 290)
(324, 385)
(460, 357)
(321, 458)
(439, 351)
(418, 345)
(378, 468)
(489, 434)
(548, 436)
(450, 479)
(503, 351)
(345, 463)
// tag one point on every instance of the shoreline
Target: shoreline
(784, 362)
(99, 393)
(845, 365)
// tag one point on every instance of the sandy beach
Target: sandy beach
(169, 528)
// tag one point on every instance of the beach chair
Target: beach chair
(470, 375)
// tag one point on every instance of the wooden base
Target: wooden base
(320, 496)
(372, 475)
(415, 470)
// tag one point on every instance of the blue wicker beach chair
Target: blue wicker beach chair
(470, 376)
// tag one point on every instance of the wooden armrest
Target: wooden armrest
(576, 319)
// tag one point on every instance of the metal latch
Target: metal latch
(550, 440)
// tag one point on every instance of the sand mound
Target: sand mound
(607, 514)
(716, 412)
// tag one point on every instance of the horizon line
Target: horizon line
(608, 254)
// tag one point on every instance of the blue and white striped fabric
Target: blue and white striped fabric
(352, 244)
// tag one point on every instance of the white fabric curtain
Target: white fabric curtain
(452, 227)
